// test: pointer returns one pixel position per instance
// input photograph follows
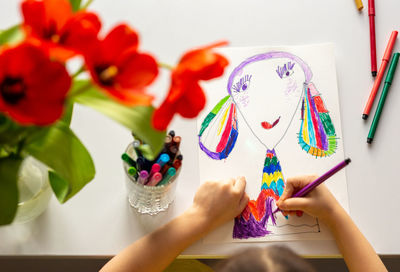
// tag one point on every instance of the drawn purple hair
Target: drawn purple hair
(270, 55)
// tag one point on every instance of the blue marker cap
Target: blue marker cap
(163, 159)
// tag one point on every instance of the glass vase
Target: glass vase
(34, 190)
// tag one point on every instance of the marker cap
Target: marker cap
(144, 174)
(371, 7)
(171, 172)
(390, 45)
(164, 158)
(132, 171)
(155, 168)
(392, 68)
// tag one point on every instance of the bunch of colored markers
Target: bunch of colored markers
(159, 171)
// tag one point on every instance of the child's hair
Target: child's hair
(273, 258)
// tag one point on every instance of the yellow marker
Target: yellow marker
(359, 4)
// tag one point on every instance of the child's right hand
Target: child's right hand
(318, 203)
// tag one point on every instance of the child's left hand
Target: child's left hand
(217, 202)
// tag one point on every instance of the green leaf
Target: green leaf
(13, 35)
(137, 118)
(59, 185)
(71, 164)
(76, 4)
(8, 189)
(12, 133)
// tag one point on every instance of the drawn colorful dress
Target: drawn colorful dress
(254, 219)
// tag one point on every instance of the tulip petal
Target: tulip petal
(136, 70)
(192, 102)
(120, 39)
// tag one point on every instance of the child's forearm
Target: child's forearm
(215, 203)
(356, 250)
(157, 250)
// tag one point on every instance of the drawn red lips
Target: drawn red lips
(267, 125)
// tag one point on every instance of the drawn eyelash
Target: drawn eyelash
(286, 70)
(242, 84)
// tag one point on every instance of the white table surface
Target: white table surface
(99, 221)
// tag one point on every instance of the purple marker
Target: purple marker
(143, 176)
(309, 187)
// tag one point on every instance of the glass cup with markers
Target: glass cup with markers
(151, 185)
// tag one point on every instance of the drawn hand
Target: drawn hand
(217, 202)
(318, 203)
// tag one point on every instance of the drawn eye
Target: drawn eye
(243, 84)
(286, 70)
(288, 73)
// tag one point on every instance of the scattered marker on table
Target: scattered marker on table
(382, 99)
(382, 68)
(372, 41)
(359, 4)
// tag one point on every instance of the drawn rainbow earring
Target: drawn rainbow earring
(317, 134)
(225, 117)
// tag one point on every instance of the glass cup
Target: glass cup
(148, 199)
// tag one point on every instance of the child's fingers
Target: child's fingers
(287, 192)
(243, 202)
(300, 181)
(240, 184)
(293, 204)
(299, 213)
(293, 184)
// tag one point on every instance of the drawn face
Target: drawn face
(267, 93)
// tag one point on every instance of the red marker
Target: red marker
(382, 68)
(371, 14)
(155, 179)
(177, 164)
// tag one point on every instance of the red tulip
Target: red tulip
(32, 87)
(57, 28)
(185, 95)
(118, 68)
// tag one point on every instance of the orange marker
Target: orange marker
(382, 68)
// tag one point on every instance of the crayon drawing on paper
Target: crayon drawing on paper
(271, 98)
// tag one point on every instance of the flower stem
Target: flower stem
(20, 147)
(82, 89)
(85, 6)
(165, 66)
(80, 71)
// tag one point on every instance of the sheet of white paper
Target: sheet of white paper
(270, 95)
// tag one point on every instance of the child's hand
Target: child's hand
(217, 202)
(318, 203)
